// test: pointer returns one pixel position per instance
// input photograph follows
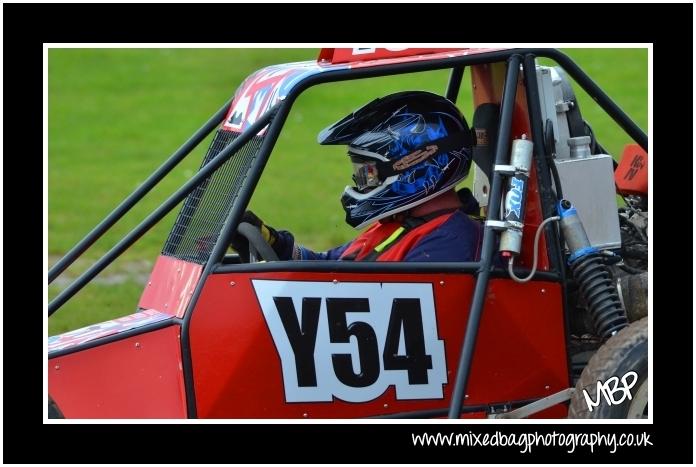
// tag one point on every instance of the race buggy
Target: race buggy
(561, 330)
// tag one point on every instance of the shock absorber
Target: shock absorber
(515, 202)
(592, 275)
(516, 197)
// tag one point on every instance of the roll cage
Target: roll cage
(256, 139)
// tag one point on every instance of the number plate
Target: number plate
(353, 340)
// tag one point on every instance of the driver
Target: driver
(408, 151)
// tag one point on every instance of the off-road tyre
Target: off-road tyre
(624, 352)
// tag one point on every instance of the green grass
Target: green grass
(116, 114)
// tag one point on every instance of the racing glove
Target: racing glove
(241, 244)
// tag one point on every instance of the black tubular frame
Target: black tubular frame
(489, 238)
(594, 91)
(483, 269)
(455, 82)
(160, 212)
(216, 256)
(386, 267)
(548, 200)
(125, 206)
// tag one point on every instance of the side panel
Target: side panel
(137, 377)
(248, 331)
(105, 329)
(170, 285)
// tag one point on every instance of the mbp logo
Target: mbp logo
(610, 388)
(354, 340)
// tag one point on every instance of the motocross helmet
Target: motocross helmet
(406, 148)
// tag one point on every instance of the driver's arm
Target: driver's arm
(283, 243)
(287, 249)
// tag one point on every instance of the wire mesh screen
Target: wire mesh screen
(204, 211)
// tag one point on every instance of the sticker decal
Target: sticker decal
(353, 340)
(513, 200)
(265, 88)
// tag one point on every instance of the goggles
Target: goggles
(369, 173)
(365, 173)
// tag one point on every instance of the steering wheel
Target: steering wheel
(259, 248)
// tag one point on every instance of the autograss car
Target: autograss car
(216, 337)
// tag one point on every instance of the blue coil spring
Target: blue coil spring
(598, 289)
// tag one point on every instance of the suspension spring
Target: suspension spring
(598, 289)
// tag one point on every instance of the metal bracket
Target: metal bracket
(504, 225)
(537, 406)
(497, 225)
(563, 106)
(510, 169)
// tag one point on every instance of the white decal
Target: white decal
(353, 340)
(611, 387)
(236, 119)
(363, 50)
(368, 50)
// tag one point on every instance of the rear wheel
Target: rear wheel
(623, 353)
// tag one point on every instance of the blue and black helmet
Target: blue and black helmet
(406, 148)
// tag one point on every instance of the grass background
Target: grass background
(115, 115)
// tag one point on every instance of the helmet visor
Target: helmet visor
(365, 174)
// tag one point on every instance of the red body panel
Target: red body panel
(364, 54)
(170, 286)
(357, 57)
(137, 377)
(105, 329)
(520, 353)
(631, 175)
(487, 82)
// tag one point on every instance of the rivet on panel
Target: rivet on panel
(232, 283)
(137, 345)
(466, 396)
(442, 282)
(305, 415)
(57, 367)
(543, 290)
(335, 281)
(547, 387)
(386, 406)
